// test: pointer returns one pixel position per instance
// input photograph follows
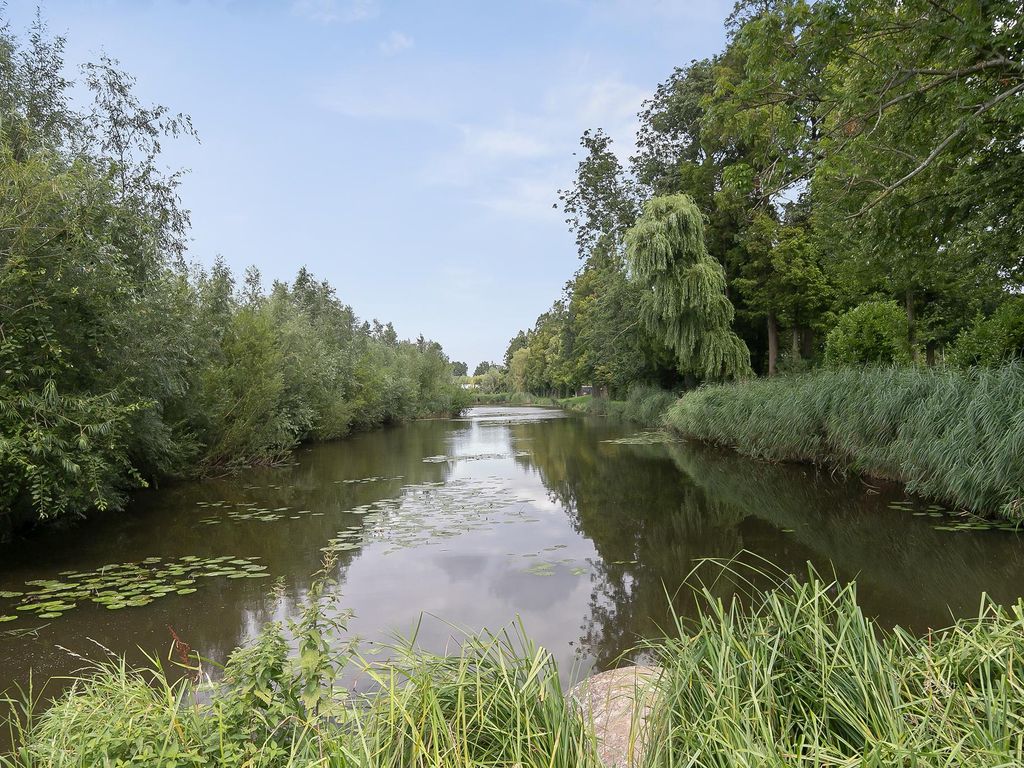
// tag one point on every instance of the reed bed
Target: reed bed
(804, 679)
(953, 435)
(644, 405)
(497, 701)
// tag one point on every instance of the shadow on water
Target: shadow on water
(509, 511)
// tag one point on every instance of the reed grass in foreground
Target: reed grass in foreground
(497, 702)
(805, 679)
(795, 677)
(956, 436)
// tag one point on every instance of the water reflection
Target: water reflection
(505, 512)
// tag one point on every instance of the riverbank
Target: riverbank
(803, 677)
(24, 518)
(644, 406)
(955, 436)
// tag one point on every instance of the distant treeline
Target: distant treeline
(120, 363)
(858, 172)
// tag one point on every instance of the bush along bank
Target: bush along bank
(799, 678)
(953, 435)
(121, 364)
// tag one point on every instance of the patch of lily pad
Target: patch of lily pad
(362, 480)
(648, 437)
(949, 520)
(978, 524)
(467, 457)
(249, 510)
(548, 567)
(427, 513)
(124, 585)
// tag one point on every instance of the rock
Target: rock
(617, 702)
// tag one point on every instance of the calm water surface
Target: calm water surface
(506, 512)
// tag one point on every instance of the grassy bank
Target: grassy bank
(643, 405)
(957, 436)
(801, 678)
(512, 398)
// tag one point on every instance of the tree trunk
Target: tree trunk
(773, 343)
(795, 344)
(911, 325)
(807, 342)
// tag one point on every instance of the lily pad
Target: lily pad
(121, 585)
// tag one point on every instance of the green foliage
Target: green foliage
(840, 152)
(647, 405)
(611, 347)
(602, 203)
(793, 675)
(874, 332)
(992, 340)
(684, 303)
(804, 678)
(119, 364)
(952, 435)
(644, 405)
(497, 701)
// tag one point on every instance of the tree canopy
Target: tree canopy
(837, 154)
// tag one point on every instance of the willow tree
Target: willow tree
(684, 303)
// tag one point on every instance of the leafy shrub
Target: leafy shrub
(874, 332)
(993, 340)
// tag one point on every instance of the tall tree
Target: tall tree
(603, 201)
(684, 303)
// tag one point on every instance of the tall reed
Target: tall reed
(804, 679)
(957, 436)
(497, 701)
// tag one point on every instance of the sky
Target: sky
(408, 152)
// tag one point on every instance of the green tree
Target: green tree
(684, 302)
(782, 281)
(518, 342)
(992, 340)
(483, 367)
(874, 332)
(517, 370)
(612, 347)
(603, 202)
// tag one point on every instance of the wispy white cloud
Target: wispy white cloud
(333, 11)
(515, 165)
(526, 197)
(394, 43)
(510, 141)
(503, 143)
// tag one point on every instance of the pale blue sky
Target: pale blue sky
(409, 152)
